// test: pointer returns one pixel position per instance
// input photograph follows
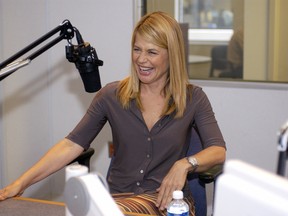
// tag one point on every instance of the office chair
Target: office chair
(196, 181)
(219, 59)
(232, 72)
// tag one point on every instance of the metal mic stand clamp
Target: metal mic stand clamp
(282, 148)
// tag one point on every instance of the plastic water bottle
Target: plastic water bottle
(178, 207)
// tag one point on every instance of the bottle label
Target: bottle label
(180, 214)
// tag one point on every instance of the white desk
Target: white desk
(196, 59)
(22, 206)
(199, 66)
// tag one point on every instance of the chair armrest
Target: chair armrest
(84, 157)
(211, 174)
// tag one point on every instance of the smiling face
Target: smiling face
(150, 61)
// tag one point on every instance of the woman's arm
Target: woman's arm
(209, 157)
(56, 158)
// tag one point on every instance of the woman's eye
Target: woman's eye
(152, 53)
(136, 49)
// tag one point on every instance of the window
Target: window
(209, 20)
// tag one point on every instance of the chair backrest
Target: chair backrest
(197, 181)
(219, 59)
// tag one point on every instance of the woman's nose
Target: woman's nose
(142, 57)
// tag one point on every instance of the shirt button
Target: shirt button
(149, 139)
(148, 155)
(138, 183)
(141, 171)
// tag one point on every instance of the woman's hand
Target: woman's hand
(174, 180)
(176, 177)
(11, 190)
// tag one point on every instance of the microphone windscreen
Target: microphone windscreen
(86, 60)
(91, 80)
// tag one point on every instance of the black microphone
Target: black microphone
(86, 60)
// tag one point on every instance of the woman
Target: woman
(151, 114)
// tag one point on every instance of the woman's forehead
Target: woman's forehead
(147, 40)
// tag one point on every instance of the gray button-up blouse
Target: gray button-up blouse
(142, 157)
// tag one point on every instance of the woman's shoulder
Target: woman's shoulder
(107, 92)
(112, 85)
(194, 89)
(196, 94)
(109, 87)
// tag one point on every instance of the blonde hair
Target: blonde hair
(162, 30)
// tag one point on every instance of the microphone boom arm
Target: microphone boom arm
(9, 66)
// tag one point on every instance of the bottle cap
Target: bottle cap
(178, 194)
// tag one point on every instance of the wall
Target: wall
(278, 47)
(161, 5)
(250, 115)
(256, 50)
(42, 102)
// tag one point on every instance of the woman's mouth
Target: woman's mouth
(145, 70)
